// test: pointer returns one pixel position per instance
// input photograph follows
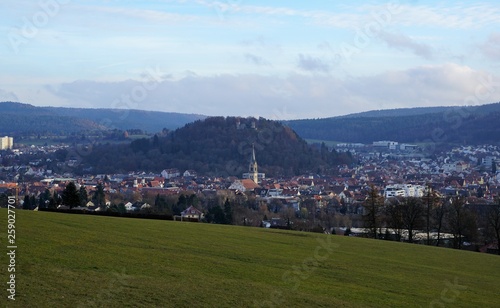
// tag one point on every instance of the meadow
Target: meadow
(66, 260)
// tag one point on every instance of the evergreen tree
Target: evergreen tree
(228, 212)
(41, 202)
(216, 215)
(27, 203)
(70, 196)
(84, 198)
(99, 198)
(56, 198)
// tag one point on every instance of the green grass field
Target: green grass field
(67, 260)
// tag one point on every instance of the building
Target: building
(6, 143)
(253, 170)
(404, 190)
(192, 212)
(391, 145)
(170, 173)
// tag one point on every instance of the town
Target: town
(333, 203)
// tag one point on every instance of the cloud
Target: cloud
(402, 42)
(312, 64)
(257, 60)
(458, 16)
(143, 14)
(294, 95)
(6, 96)
(491, 48)
(437, 85)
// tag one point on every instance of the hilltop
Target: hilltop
(218, 146)
(468, 124)
(26, 118)
(68, 260)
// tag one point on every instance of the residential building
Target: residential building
(6, 143)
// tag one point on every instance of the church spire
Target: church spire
(253, 168)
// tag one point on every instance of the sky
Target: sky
(275, 59)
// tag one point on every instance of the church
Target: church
(253, 171)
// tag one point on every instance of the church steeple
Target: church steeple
(253, 168)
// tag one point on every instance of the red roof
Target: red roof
(249, 184)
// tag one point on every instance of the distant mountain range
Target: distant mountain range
(468, 124)
(25, 118)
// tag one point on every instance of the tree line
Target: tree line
(432, 215)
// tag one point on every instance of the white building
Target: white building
(170, 173)
(404, 190)
(6, 143)
(391, 145)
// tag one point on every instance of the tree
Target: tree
(70, 196)
(394, 217)
(480, 192)
(461, 222)
(493, 167)
(33, 202)
(216, 215)
(27, 203)
(430, 200)
(56, 198)
(99, 198)
(84, 198)
(412, 211)
(439, 213)
(372, 208)
(493, 220)
(228, 212)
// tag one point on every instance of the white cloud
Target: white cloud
(459, 16)
(302, 96)
(402, 42)
(491, 48)
(312, 64)
(256, 60)
(6, 96)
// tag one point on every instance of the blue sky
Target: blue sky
(276, 59)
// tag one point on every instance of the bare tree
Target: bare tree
(394, 216)
(430, 200)
(493, 220)
(372, 208)
(412, 211)
(461, 221)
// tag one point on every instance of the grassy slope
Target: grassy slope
(73, 260)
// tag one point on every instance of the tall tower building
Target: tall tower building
(253, 171)
(6, 143)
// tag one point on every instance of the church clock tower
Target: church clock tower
(253, 172)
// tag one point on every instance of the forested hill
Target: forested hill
(469, 125)
(26, 118)
(218, 146)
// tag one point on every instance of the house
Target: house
(189, 173)
(170, 173)
(346, 196)
(244, 185)
(129, 206)
(192, 212)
